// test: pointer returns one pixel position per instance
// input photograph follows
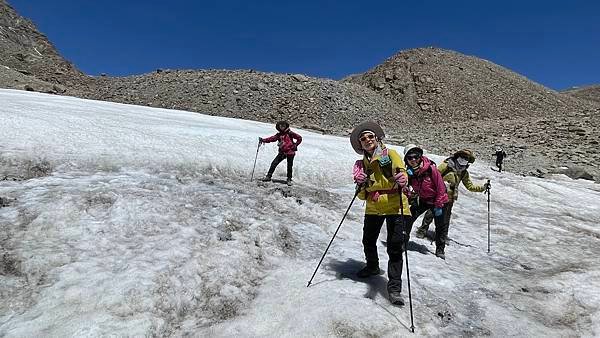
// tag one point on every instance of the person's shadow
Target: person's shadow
(349, 268)
(412, 246)
(376, 284)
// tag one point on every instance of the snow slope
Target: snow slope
(134, 221)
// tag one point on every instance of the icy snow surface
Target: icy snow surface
(133, 221)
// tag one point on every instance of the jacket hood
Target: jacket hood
(423, 166)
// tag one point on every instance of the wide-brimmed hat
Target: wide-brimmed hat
(361, 128)
(465, 153)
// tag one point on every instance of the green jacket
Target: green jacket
(452, 178)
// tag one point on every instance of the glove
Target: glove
(260, 140)
(360, 177)
(295, 147)
(358, 173)
(487, 186)
(438, 212)
(401, 179)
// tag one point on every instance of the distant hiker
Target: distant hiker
(453, 171)
(500, 155)
(380, 173)
(427, 192)
(288, 143)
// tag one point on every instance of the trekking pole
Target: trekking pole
(412, 324)
(334, 234)
(255, 157)
(487, 190)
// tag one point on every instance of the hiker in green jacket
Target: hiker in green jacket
(454, 171)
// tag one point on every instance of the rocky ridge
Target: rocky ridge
(323, 105)
(437, 98)
(27, 51)
(464, 101)
(590, 93)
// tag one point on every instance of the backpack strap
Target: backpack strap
(446, 171)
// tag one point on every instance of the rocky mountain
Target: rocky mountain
(464, 101)
(591, 93)
(449, 86)
(320, 104)
(26, 51)
(440, 99)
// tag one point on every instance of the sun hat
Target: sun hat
(466, 154)
(367, 126)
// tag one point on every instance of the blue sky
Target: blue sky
(553, 43)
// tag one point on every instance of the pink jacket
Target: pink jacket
(285, 141)
(428, 184)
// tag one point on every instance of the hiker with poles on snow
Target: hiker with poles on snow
(288, 142)
(382, 175)
(427, 191)
(454, 171)
(500, 155)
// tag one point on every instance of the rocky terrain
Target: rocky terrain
(319, 104)
(464, 101)
(591, 93)
(438, 98)
(27, 51)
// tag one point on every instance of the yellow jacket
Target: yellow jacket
(453, 179)
(379, 194)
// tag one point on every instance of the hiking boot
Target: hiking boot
(368, 272)
(395, 298)
(289, 181)
(421, 232)
(267, 178)
(439, 252)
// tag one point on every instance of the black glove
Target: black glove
(487, 186)
(260, 140)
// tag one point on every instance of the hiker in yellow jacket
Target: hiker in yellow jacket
(454, 171)
(382, 175)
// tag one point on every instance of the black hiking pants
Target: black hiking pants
(280, 157)
(441, 227)
(499, 164)
(428, 218)
(396, 243)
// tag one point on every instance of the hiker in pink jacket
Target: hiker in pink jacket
(427, 191)
(288, 143)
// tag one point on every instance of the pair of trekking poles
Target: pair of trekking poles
(358, 189)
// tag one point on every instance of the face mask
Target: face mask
(463, 162)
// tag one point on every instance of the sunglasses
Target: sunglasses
(366, 137)
(412, 157)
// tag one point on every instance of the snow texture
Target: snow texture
(132, 221)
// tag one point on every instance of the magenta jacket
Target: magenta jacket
(287, 140)
(427, 182)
